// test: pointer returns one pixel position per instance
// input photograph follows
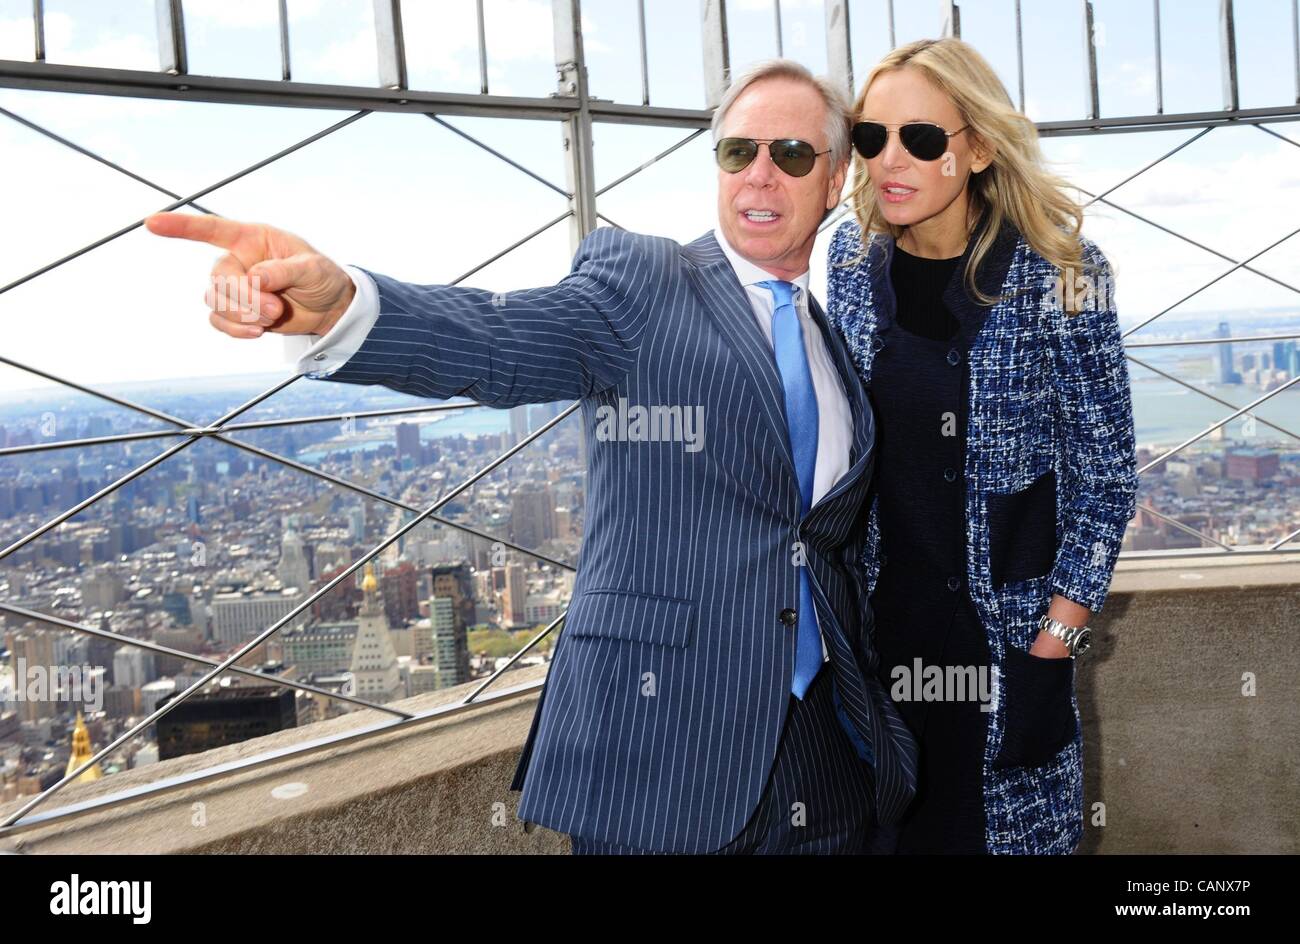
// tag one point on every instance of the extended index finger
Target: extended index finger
(207, 229)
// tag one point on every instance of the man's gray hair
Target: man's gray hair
(839, 112)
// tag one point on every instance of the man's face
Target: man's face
(777, 108)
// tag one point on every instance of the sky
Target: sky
(401, 195)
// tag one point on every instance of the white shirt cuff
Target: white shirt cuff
(318, 356)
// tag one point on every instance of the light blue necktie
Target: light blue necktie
(801, 418)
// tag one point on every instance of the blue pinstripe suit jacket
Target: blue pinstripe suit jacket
(667, 694)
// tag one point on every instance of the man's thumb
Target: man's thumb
(276, 275)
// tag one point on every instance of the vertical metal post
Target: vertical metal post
(951, 19)
(780, 42)
(1020, 56)
(1093, 103)
(645, 61)
(839, 54)
(482, 48)
(38, 24)
(1295, 45)
(889, 9)
(392, 48)
(717, 64)
(579, 163)
(171, 37)
(1228, 55)
(1160, 78)
(284, 40)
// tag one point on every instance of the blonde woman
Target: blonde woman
(981, 322)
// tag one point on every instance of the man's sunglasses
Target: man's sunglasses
(793, 156)
(924, 141)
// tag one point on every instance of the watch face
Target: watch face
(1084, 642)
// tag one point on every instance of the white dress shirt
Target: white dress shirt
(318, 356)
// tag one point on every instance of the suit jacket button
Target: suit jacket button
(954, 357)
(949, 475)
(954, 583)
(877, 342)
(789, 617)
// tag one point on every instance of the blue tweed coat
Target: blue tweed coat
(1050, 473)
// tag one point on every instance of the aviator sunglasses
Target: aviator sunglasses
(793, 156)
(924, 141)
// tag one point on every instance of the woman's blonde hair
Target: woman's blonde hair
(1015, 187)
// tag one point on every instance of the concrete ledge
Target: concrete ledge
(1178, 757)
(437, 788)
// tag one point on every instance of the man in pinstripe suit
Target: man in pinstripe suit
(714, 689)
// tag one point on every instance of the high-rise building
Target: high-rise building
(450, 643)
(518, 424)
(532, 515)
(374, 662)
(232, 714)
(514, 598)
(1227, 373)
(32, 646)
(293, 569)
(455, 582)
(238, 616)
(408, 441)
(319, 648)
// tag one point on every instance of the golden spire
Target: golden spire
(369, 584)
(81, 752)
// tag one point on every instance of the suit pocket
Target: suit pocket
(1039, 713)
(1022, 532)
(632, 616)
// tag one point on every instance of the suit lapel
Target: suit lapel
(725, 300)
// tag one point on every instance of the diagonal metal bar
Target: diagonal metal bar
(1188, 529)
(650, 163)
(154, 647)
(1138, 173)
(134, 474)
(1217, 278)
(217, 432)
(86, 152)
(182, 201)
(1208, 395)
(515, 658)
(497, 154)
(512, 247)
(284, 620)
(230, 427)
(1279, 135)
(1188, 239)
(1209, 429)
(1290, 537)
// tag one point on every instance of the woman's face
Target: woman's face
(909, 190)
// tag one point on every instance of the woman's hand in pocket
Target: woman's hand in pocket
(1039, 713)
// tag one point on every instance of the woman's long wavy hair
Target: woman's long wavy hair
(1017, 186)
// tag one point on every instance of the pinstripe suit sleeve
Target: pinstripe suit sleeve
(1092, 383)
(560, 342)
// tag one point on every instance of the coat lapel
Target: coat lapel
(725, 299)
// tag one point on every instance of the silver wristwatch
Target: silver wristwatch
(1078, 639)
